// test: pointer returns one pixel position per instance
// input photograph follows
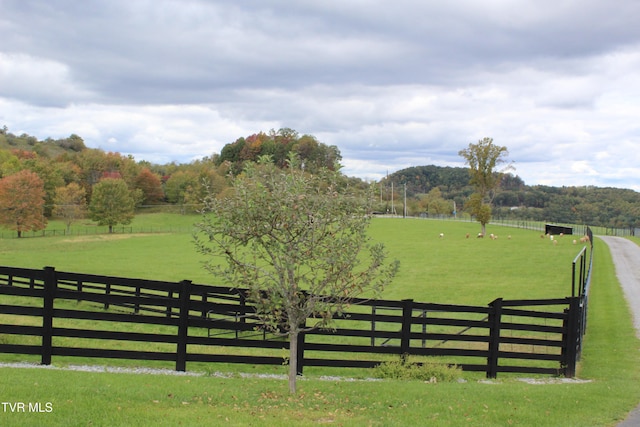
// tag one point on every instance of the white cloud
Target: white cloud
(38, 81)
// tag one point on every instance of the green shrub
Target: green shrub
(422, 371)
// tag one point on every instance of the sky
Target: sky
(392, 84)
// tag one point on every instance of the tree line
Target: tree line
(434, 190)
(62, 178)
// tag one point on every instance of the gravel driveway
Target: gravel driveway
(626, 258)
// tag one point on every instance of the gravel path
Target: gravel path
(626, 258)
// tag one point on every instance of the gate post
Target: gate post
(405, 340)
(50, 285)
(495, 320)
(571, 335)
(183, 325)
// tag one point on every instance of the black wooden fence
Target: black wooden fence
(51, 313)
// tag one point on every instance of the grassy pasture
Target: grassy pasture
(452, 269)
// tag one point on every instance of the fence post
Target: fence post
(424, 329)
(183, 325)
(107, 291)
(373, 326)
(571, 335)
(243, 307)
(204, 305)
(169, 308)
(79, 289)
(405, 340)
(495, 319)
(50, 284)
(300, 353)
(136, 307)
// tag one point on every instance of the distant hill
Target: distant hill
(598, 206)
(48, 148)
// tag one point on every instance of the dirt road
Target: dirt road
(626, 258)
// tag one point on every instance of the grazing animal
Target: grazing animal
(480, 235)
(575, 241)
(555, 243)
(441, 235)
(467, 235)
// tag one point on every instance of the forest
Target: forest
(71, 181)
(588, 205)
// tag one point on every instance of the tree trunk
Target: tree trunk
(293, 360)
(110, 229)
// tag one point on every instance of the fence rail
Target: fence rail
(51, 313)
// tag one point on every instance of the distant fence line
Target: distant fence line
(96, 230)
(52, 313)
(579, 229)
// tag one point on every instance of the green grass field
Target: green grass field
(452, 269)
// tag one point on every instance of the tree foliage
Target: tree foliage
(112, 203)
(22, 199)
(483, 158)
(59, 162)
(298, 243)
(279, 145)
(70, 203)
(150, 185)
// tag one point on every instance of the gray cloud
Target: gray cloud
(391, 84)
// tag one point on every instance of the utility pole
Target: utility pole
(404, 213)
(393, 206)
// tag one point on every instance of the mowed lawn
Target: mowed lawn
(451, 269)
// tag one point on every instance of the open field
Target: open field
(432, 269)
(452, 269)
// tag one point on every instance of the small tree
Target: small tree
(293, 240)
(483, 158)
(22, 198)
(70, 203)
(112, 203)
(150, 185)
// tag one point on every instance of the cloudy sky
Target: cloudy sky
(392, 84)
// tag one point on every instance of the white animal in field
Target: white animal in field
(441, 235)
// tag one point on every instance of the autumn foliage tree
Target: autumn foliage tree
(150, 185)
(298, 242)
(22, 199)
(70, 203)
